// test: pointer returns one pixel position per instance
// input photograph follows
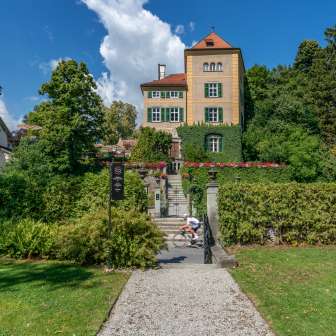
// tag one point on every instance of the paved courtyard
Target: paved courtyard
(184, 297)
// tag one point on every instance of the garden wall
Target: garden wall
(295, 213)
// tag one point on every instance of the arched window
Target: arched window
(206, 67)
(214, 143)
(219, 67)
(212, 67)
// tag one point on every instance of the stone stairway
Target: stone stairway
(169, 226)
(177, 202)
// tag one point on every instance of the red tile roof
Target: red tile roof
(178, 79)
(217, 41)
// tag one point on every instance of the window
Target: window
(155, 94)
(174, 94)
(213, 89)
(206, 67)
(156, 114)
(209, 43)
(213, 114)
(219, 67)
(174, 114)
(214, 143)
(212, 67)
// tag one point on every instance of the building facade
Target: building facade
(5, 146)
(211, 90)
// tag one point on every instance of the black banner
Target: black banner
(117, 180)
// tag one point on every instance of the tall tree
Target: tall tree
(72, 118)
(152, 145)
(322, 85)
(119, 122)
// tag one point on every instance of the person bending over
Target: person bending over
(192, 225)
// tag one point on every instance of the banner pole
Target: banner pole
(109, 229)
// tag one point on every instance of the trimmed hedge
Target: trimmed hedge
(195, 135)
(296, 213)
(228, 175)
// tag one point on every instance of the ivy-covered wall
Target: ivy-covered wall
(194, 136)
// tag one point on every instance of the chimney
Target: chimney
(162, 70)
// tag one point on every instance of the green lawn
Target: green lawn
(293, 288)
(51, 298)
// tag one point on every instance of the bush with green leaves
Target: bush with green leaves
(26, 239)
(134, 242)
(200, 178)
(295, 212)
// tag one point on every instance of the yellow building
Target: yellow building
(211, 90)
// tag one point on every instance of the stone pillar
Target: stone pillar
(157, 195)
(212, 205)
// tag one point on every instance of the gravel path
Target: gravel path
(184, 300)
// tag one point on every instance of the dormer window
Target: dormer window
(212, 67)
(206, 67)
(209, 43)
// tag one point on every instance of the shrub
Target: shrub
(228, 175)
(94, 192)
(298, 213)
(84, 239)
(134, 242)
(26, 239)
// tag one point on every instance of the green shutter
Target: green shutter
(167, 114)
(221, 144)
(168, 94)
(220, 114)
(149, 114)
(163, 94)
(206, 90)
(181, 94)
(206, 114)
(162, 112)
(181, 114)
(219, 89)
(149, 94)
(206, 143)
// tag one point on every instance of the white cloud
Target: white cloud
(6, 117)
(179, 29)
(135, 43)
(51, 65)
(192, 26)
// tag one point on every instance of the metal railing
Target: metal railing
(208, 241)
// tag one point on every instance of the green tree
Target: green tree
(306, 55)
(322, 86)
(71, 119)
(119, 122)
(152, 145)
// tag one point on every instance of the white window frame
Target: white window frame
(219, 66)
(174, 94)
(213, 114)
(156, 94)
(213, 143)
(212, 66)
(156, 111)
(206, 66)
(213, 90)
(174, 114)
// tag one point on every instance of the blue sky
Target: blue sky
(37, 33)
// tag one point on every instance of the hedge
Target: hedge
(295, 213)
(228, 175)
(195, 135)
